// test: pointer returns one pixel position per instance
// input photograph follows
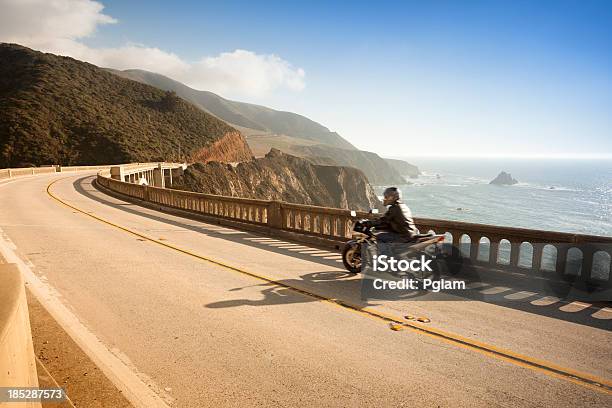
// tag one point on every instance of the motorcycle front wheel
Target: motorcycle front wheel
(351, 257)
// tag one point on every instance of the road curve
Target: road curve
(208, 335)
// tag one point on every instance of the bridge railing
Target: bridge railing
(587, 257)
(332, 223)
(130, 172)
(25, 171)
(32, 171)
(64, 169)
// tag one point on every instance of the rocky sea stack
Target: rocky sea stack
(504, 179)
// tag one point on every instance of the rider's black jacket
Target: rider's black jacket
(398, 219)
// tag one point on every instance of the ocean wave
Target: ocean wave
(438, 185)
(577, 202)
(587, 201)
(550, 187)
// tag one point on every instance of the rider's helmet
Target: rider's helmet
(391, 195)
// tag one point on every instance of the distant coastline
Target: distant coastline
(580, 200)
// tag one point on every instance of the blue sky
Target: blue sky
(402, 78)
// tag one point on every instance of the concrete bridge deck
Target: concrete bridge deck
(201, 333)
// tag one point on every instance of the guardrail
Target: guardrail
(31, 171)
(25, 171)
(586, 257)
(65, 169)
(17, 362)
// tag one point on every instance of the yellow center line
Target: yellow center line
(548, 368)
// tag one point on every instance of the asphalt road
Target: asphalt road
(202, 334)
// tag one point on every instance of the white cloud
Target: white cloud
(59, 26)
(255, 74)
(43, 20)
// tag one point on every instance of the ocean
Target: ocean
(552, 194)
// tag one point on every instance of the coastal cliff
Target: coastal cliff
(229, 148)
(280, 176)
(377, 170)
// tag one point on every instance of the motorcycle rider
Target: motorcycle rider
(397, 224)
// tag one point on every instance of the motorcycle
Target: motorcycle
(429, 244)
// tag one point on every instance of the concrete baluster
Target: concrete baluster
(158, 177)
(274, 215)
(587, 262)
(333, 226)
(494, 249)
(561, 258)
(456, 253)
(514, 252)
(474, 246)
(536, 260)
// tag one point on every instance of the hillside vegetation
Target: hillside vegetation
(267, 128)
(253, 119)
(57, 110)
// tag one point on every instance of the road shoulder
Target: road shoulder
(60, 361)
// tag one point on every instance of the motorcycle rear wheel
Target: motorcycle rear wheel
(351, 258)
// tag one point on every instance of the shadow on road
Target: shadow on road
(339, 285)
(512, 292)
(84, 187)
(327, 284)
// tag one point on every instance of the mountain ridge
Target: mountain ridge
(252, 117)
(58, 110)
(316, 147)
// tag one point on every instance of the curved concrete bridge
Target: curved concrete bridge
(185, 313)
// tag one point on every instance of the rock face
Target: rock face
(232, 147)
(57, 110)
(503, 179)
(279, 176)
(378, 171)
